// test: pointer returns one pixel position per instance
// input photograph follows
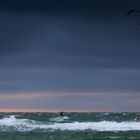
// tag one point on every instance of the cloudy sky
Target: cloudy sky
(74, 55)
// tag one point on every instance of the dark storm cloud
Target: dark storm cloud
(72, 80)
(69, 47)
(67, 43)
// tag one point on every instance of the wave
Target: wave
(59, 119)
(29, 125)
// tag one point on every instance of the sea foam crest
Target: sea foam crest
(96, 126)
(59, 119)
(29, 125)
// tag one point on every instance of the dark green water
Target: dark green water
(73, 126)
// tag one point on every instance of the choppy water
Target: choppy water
(73, 126)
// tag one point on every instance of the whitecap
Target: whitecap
(29, 125)
(96, 126)
(106, 113)
(59, 119)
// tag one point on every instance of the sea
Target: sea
(71, 126)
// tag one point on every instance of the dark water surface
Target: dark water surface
(73, 126)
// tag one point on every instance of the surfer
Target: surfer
(61, 114)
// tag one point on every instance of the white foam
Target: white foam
(59, 119)
(97, 126)
(18, 124)
(28, 125)
(106, 113)
(124, 114)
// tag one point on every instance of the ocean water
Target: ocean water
(72, 126)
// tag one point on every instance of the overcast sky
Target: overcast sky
(70, 55)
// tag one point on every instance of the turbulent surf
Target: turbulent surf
(70, 126)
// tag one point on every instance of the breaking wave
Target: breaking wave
(59, 119)
(17, 124)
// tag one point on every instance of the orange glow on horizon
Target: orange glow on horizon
(45, 110)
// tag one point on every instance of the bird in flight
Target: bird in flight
(133, 11)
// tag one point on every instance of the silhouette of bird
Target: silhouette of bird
(132, 11)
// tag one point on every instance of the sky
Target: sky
(69, 55)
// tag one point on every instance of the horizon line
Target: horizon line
(44, 110)
(55, 110)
